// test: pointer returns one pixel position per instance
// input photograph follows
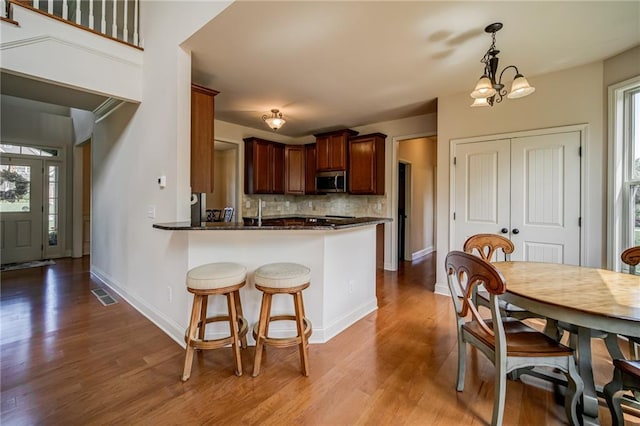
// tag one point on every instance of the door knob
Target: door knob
(515, 231)
(504, 230)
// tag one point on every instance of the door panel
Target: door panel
(528, 186)
(21, 209)
(545, 196)
(481, 189)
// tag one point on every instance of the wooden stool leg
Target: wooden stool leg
(262, 326)
(203, 317)
(233, 327)
(304, 345)
(191, 334)
(240, 315)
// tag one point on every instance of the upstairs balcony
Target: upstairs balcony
(115, 19)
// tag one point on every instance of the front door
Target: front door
(525, 188)
(21, 209)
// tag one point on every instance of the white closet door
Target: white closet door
(545, 198)
(482, 190)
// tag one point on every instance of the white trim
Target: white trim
(421, 253)
(584, 182)
(442, 289)
(49, 38)
(105, 109)
(615, 175)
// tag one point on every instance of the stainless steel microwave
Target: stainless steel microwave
(331, 182)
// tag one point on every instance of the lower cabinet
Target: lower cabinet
(263, 166)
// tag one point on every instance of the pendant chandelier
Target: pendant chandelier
(275, 120)
(489, 89)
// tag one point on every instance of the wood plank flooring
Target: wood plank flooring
(66, 359)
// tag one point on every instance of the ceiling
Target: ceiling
(329, 65)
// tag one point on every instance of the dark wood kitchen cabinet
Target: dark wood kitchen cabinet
(202, 152)
(263, 166)
(310, 168)
(294, 169)
(366, 164)
(331, 150)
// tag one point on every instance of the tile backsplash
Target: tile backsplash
(315, 205)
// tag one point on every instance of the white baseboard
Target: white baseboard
(421, 253)
(170, 327)
(442, 289)
(332, 330)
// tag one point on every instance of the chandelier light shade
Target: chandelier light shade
(275, 120)
(490, 89)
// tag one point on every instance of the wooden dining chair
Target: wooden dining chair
(488, 247)
(508, 343)
(626, 376)
(631, 257)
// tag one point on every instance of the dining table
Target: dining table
(587, 298)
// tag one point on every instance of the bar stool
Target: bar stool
(211, 279)
(282, 278)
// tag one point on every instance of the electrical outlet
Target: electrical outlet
(310, 203)
(352, 285)
(169, 294)
(247, 204)
(151, 211)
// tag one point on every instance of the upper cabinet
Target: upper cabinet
(202, 152)
(331, 150)
(294, 169)
(310, 168)
(263, 166)
(366, 164)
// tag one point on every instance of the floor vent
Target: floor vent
(103, 296)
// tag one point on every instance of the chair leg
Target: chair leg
(203, 317)
(575, 387)
(243, 341)
(304, 345)
(262, 326)
(462, 362)
(500, 391)
(191, 334)
(612, 395)
(233, 327)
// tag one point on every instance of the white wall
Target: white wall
(130, 149)
(572, 96)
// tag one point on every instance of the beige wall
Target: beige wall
(572, 96)
(225, 182)
(420, 153)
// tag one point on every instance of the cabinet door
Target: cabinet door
(263, 171)
(294, 161)
(338, 152)
(310, 169)
(322, 153)
(277, 168)
(366, 164)
(202, 152)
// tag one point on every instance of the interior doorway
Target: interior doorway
(403, 191)
(225, 179)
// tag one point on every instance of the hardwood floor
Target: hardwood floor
(66, 359)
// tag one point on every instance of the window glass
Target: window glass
(28, 150)
(634, 134)
(52, 212)
(15, 188)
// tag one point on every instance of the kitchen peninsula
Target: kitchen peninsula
(341, 253)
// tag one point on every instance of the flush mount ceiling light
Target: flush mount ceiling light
(490, 90)
(275, 120)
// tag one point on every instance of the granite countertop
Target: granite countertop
(288, 222)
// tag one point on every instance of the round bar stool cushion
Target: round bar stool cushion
(215, 276)
(282, 275)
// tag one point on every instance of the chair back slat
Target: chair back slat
(486, 246)
(464, 273)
